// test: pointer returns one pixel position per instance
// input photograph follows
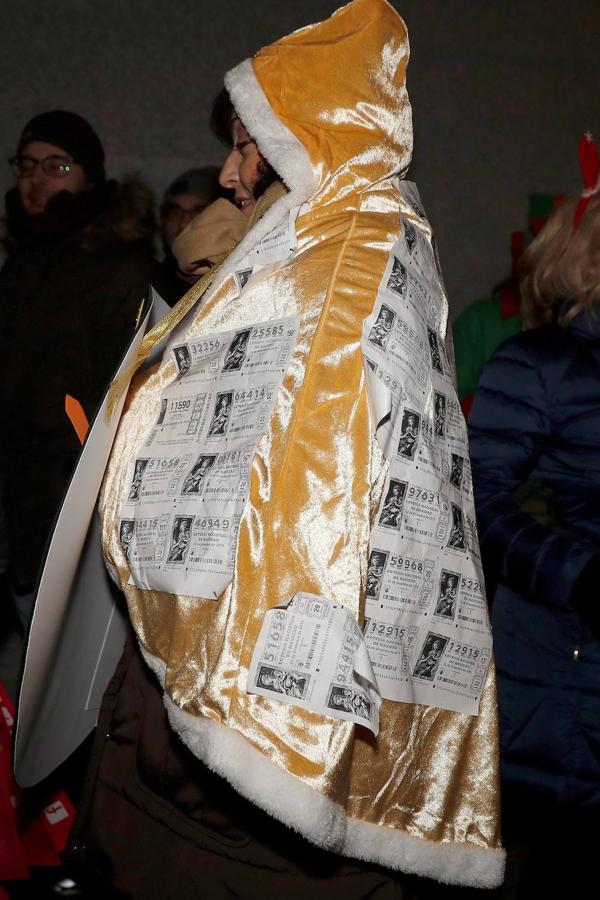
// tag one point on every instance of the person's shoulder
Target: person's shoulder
(533, 360)
(126, 223)
(535, 344)
(132, 212)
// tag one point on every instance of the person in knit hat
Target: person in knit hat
(185, 198)
(70, 135)
(79, 256)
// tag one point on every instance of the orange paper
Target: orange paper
(77, 417)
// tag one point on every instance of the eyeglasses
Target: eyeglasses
(53, 166)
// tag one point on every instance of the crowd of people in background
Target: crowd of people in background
(80, 251)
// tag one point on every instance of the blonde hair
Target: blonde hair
(562, 264)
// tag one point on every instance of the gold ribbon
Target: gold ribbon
(121, 384)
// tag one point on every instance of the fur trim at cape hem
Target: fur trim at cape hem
(318, 819)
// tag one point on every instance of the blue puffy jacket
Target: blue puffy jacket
(537, 416)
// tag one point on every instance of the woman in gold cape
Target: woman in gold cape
(328, 108)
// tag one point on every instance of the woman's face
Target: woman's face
(242, 168)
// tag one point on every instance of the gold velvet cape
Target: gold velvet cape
(329, 109)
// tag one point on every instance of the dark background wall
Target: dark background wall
(501, 91)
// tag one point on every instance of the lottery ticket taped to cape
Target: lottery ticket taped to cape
(426, 622)
(311, 653)
(189, 481)
(275, 247)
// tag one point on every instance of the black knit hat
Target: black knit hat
(72, 134)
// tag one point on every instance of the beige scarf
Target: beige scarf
(213, 234)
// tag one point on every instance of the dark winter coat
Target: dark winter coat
(537, 416)
(154, 822)
(69, 294)
(166, 280)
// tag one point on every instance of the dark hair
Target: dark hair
(221, 122)
(221, 118)
(267, 176)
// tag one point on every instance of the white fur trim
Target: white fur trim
(156, 665)
(318, 819)
(452, 863)
(283, 796)
(279, 146)
(285, 153)
(277, 143)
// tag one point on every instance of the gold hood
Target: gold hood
(329, 109)
(339, 89)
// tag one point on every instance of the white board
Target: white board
(78, 626)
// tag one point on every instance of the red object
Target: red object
(510, 298)
(590, 170)
(466, 403)
(28, 837)
(517, 246)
